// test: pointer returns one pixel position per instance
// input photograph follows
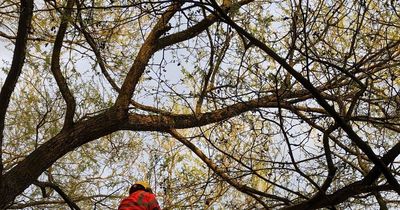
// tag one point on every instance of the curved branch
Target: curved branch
(342, 195)
(17, 179)
(317, 95)
(55, 66)
(242, 188)
(26, 172)
(96, 51)
(64, 196)
(288, 144)
(225, 153)
(179, 121)
(331, 171)
(195, 29)
(145, 53)
(356, 188)
(24, 25)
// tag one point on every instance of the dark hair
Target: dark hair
(149, 190)
(135, 188)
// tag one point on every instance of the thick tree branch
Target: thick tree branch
(319, 98)
(55, 66)
(145, 53)
(24, 26)
(335, 68)
(356, 188)
(25, 172)
(328, 155)
(195, 29)
(341, 196)
(388, 158)
(17, 179)
(165, 122)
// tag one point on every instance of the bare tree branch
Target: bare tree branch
(242, 188)
(57, 188)
(316, 93)
(24, 26)
(55, 66)
(145, 53)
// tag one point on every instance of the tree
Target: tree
(220, 104)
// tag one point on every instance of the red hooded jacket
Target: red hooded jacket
(139, 200)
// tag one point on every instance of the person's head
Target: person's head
(140, 185)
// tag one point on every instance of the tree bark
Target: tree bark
(27, 171)
(24, 25)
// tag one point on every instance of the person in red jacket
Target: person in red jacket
(140, 198)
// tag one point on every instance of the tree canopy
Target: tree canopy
(233, 104)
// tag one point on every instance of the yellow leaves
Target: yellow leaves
(397, 78)
(258, 177)
(180, 108)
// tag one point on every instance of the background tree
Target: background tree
(219, 104)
